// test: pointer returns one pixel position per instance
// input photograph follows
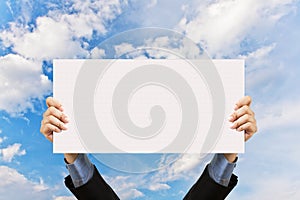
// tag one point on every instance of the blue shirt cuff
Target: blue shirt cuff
(81, 171)
(220, 170)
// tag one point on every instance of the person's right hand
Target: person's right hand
(54, 120)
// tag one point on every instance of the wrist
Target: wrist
(70, 157)
(230, 157)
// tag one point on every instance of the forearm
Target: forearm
(80, 168)
(216, 182)
(85, 182)
(221, 169)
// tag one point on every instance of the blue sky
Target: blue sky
(264, 33)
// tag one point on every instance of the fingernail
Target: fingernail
(66, 119)
(66, 126)
(58, 131)
(232, 126)
(230, 118)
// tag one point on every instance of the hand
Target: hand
(242, 119)
(54, 120)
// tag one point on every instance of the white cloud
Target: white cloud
(64, 198)
(221, 26)
(90, 16)
(131, 194)
(97, 53)
(159, 45)
(22, 11)
(173, 45)
(11, 151)
(59, 35)
(185, 163)
(283, 114)
(258, 58)
(152, 3)
(260, 67)
(187, 166)
(159, 186)
(123, 48)
(269, 188)
(2, 139)
(50, 39)
(14, 185)
(41, 186)
(22, 81)
(55, 35)
(6, 119)
(126, 186)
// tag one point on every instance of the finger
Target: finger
(56, 113)
(242, 120)
(249, 128)
(55, 122)
(247, 136)
(48, 129)
(246, 100)
(240, 112)
(50, 101)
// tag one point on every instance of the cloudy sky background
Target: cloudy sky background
(264, 33)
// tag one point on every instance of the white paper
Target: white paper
(109, 105)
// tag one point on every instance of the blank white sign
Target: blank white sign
(148, 106)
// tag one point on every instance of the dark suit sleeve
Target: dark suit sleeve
(96, 188)
(207, 188)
